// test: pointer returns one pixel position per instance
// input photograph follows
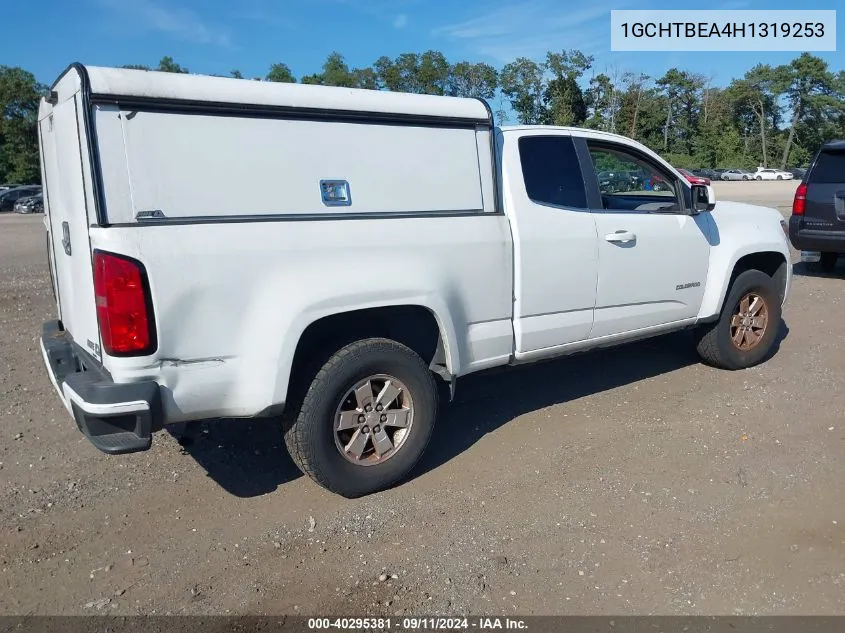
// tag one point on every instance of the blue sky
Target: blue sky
(216, 36)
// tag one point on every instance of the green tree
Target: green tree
(20, 95)
(280, 73)
(236, 74)
(336, 72)
(433, 73)
(563, 97)
(717, 142)
(167, 65)
(676, 87)
(602, 100)
(387, 74)
(467, 79)
(635, 87)
(365, 78)
(822, 121)
(407, 65)
(756, 91)
(522, 82)
(808, 84)
(136, 67)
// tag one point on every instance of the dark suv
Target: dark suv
(818, 210)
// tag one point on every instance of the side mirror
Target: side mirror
(703, 198)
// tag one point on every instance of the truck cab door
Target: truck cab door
(555, 258)
(653, 253)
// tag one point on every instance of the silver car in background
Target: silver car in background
(32, 204)
(736, 174)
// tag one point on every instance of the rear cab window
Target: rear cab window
(551, 171)
(829, 168)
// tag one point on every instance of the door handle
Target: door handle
(66, 237)
(621, 237)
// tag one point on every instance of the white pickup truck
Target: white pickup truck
(333, 257)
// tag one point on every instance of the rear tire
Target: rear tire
(747, 326)
(827, 262)
(759, 178)
(346, 410)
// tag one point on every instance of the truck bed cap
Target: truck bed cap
(122, 84)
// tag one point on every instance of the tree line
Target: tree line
(775, 116)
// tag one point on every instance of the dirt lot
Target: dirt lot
(630, 481)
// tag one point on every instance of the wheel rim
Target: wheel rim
(749, 322)
(373, 420)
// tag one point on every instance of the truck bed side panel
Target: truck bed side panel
(245, 254)
(232, 299)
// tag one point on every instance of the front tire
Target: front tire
(759, 178)
(747, 326)
(366, 418)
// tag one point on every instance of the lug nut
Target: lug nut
(383, 418)
(379, 407)
(368, 408)
(362, 419)
(365, 430)
(376, 429)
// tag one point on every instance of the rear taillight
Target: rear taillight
(800, 199)
(123, 306)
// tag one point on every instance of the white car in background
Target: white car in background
(772, 174)
(735, 174)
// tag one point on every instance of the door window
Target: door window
(551, 171)
(629, 182)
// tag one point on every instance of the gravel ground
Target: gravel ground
(628, 481)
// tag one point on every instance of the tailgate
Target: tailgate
(825, 206)
(69, 209)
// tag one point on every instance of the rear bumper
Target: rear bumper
(116, 417)
(804, 239)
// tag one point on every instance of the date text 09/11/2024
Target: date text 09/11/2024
(417, 624)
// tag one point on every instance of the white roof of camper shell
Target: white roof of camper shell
(167, 86)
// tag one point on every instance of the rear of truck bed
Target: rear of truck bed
(116, 417)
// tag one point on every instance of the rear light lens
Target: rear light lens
(800, 199)
(123, 306)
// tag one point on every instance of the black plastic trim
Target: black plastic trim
(815, 239)
(48, 214)
(113, 433)
(91, 137)
(494, 155)
(56, 338)
(222, 108)
(585, 163)
(305, 217)
(148, 301)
